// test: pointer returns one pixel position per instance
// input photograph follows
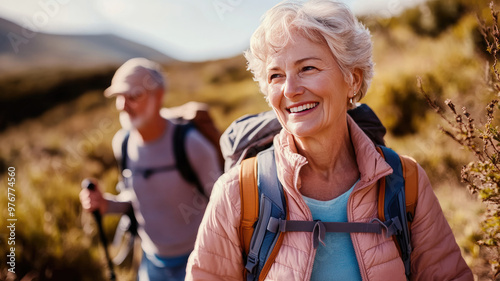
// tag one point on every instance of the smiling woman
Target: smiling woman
(313, 62)
(305, 85)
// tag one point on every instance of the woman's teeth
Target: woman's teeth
(303, 107)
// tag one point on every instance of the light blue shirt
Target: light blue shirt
(337, 260)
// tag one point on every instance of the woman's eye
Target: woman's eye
(272, 76)
(306, 68)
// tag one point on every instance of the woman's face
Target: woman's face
(306, 87)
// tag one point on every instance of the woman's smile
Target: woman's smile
(301, 108)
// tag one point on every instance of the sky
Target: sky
(189, 30)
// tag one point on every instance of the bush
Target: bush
(482, 138)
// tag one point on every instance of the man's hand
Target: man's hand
(91, 198)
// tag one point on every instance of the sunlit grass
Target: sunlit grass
(462, 210)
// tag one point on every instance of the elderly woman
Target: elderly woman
(313, 62)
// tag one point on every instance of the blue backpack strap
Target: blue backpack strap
(394, 203)
(181, 158)
(272, 204)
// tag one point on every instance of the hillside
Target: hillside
(22, 49)
(39, 71)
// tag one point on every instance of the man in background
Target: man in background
(168, 208)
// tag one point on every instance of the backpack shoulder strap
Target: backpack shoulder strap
(398, 194)
(181, 158)
(249, 201)
(410, 173)
(260, 190)
(131, 225)
(272, 197)
(122, 164)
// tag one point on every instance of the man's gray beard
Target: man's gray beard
(125, 120)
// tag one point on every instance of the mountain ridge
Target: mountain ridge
(22, 49)
(39, 71)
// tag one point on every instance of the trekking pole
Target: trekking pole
(97, 216)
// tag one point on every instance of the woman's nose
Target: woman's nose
(292, 87)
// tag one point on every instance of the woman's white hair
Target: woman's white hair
(321, 21)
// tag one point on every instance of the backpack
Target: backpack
(189, 116)
(264, 213)
(263, 206)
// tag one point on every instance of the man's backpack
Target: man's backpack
(192, 115)
(264, 213)
(189, 116)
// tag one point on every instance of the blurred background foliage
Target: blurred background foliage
(57, 130)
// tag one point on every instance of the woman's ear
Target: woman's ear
(357, 80)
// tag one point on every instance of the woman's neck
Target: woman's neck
(332, 168)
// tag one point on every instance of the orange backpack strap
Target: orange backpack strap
(249, 201)
(410, 172)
